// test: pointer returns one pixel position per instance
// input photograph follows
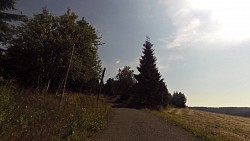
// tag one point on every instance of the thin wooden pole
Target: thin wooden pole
(67, 73)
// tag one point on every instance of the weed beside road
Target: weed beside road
(28, 116)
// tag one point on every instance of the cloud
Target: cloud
(207, 22)
(175, 57)
(117, 62)
(167, 63)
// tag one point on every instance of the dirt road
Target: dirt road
(136, 125)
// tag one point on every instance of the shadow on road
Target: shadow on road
(115, 101)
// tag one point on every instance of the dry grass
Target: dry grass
(209, 126)
(28, 116)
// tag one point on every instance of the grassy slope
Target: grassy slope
(209, 126)
(28, 116)
(236, 111)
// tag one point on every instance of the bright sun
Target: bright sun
(232, 15)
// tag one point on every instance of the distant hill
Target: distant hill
(238, 111)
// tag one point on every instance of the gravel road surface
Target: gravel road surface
(136, 125)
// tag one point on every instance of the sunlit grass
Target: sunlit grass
(209, 126)
(29, 116)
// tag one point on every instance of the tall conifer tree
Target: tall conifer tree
(6, 18)
(151, 90)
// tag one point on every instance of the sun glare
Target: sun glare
(233, 17)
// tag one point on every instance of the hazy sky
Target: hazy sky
(202, 46)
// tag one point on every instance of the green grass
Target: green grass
(28, 116)
(208, 126)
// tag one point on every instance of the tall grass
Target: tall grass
(209, 126)
(27, 116)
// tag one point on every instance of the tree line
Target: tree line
(45, 51)
(36, 53)
(146, 89)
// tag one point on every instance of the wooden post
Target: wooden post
(100, 89)
(67, 73)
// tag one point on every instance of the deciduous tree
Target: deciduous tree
(179, 100)
(40, 49)
(109, 87)
(125, 82)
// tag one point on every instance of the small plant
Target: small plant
(7, 106)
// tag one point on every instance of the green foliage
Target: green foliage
(151, 90)
(5, 18)
(40, 49)
(179, 100)
(126, 75)
(167, 99)
(7, 106)
(27, 116)
(109, 87)
(125, 82)
(5, 27)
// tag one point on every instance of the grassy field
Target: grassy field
(25, 115)
(209, 126)
(236, 111)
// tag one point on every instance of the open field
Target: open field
(237, 111)
(209, 126)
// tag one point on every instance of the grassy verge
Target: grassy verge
(26, 116)
(208, 126)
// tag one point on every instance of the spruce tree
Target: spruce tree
(150, 88)
(6, 18)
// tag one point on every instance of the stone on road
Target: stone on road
(136, 125)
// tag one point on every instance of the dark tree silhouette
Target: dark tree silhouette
(109, 87)
(150, 89)
(5, 17)
(179, 100)
(125, 82)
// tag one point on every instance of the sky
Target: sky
(202, 46)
